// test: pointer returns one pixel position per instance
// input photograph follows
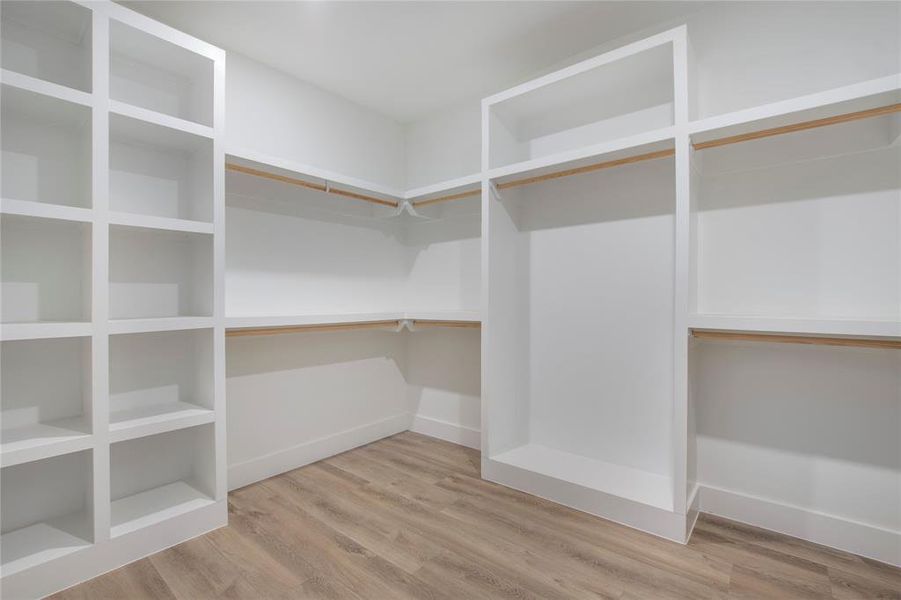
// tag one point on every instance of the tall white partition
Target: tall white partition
(579, 348)
(113, 437)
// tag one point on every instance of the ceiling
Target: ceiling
(408, 60)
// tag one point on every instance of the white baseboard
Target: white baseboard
(450, 432)
(866, 540)
(263, 467)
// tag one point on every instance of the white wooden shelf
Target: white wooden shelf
(161, 223)
(158, 418)
(159, 504)
(653, 141)
(443, 188)
(27, 83)
(38, 544)
(799, 326)
(160, 119)
(43, 210)
(846, 99)
(618, 480)
(45, 330)
(44, 440)
(48, 40)
(121, 326)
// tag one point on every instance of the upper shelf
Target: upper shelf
(827, 105)
(796, 325)
(50, 41)
(152, 73)
(616, 95)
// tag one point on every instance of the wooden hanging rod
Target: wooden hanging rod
(307, 184)
(587, 168)
(311, 328)
(458, 324)
(764, 133)
(447, 198)
(798, 339)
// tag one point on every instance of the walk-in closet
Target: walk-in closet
(557, 300)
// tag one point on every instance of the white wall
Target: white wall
(275, 114)
(813, 427)
(444, 146)
(443, 383)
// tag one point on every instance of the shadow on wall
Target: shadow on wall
(842, 403)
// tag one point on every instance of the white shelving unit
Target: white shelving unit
(781, 226)
(113, 333)
(580, 393)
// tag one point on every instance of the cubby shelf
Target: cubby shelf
(44, 88)
(44, 440)
(39, 543)
(147, 325)
(36, 331)
(153, 117)
(159, 418)
(150, 507)
(30, 208)
(161, 223)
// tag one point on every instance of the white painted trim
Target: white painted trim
(694, 511)
(650, 519)
(620, 53)
(94, 560)
(858, 538)
(257, 469)
(447, 431)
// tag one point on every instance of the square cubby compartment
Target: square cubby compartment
(46, 148)
(162, 377)
(45, 393)
(156, 273)
(47, 510)
(152, 73)
(49, 40)
(161, 476)
(159, 171)
(46, 270)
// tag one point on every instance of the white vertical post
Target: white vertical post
(100, 273)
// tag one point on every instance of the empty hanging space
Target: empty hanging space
(46, 269)
(46, 397)
(294, 248)
(46, 148)
(156, 171)
(48, 40)
(803, 438)
(581, 339)
(798, 218)
(598, 101)
(156, 273)
(160, 381)
(161, 476)
(152, 73)
(47, 511)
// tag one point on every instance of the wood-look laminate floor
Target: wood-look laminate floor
(408, 517)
